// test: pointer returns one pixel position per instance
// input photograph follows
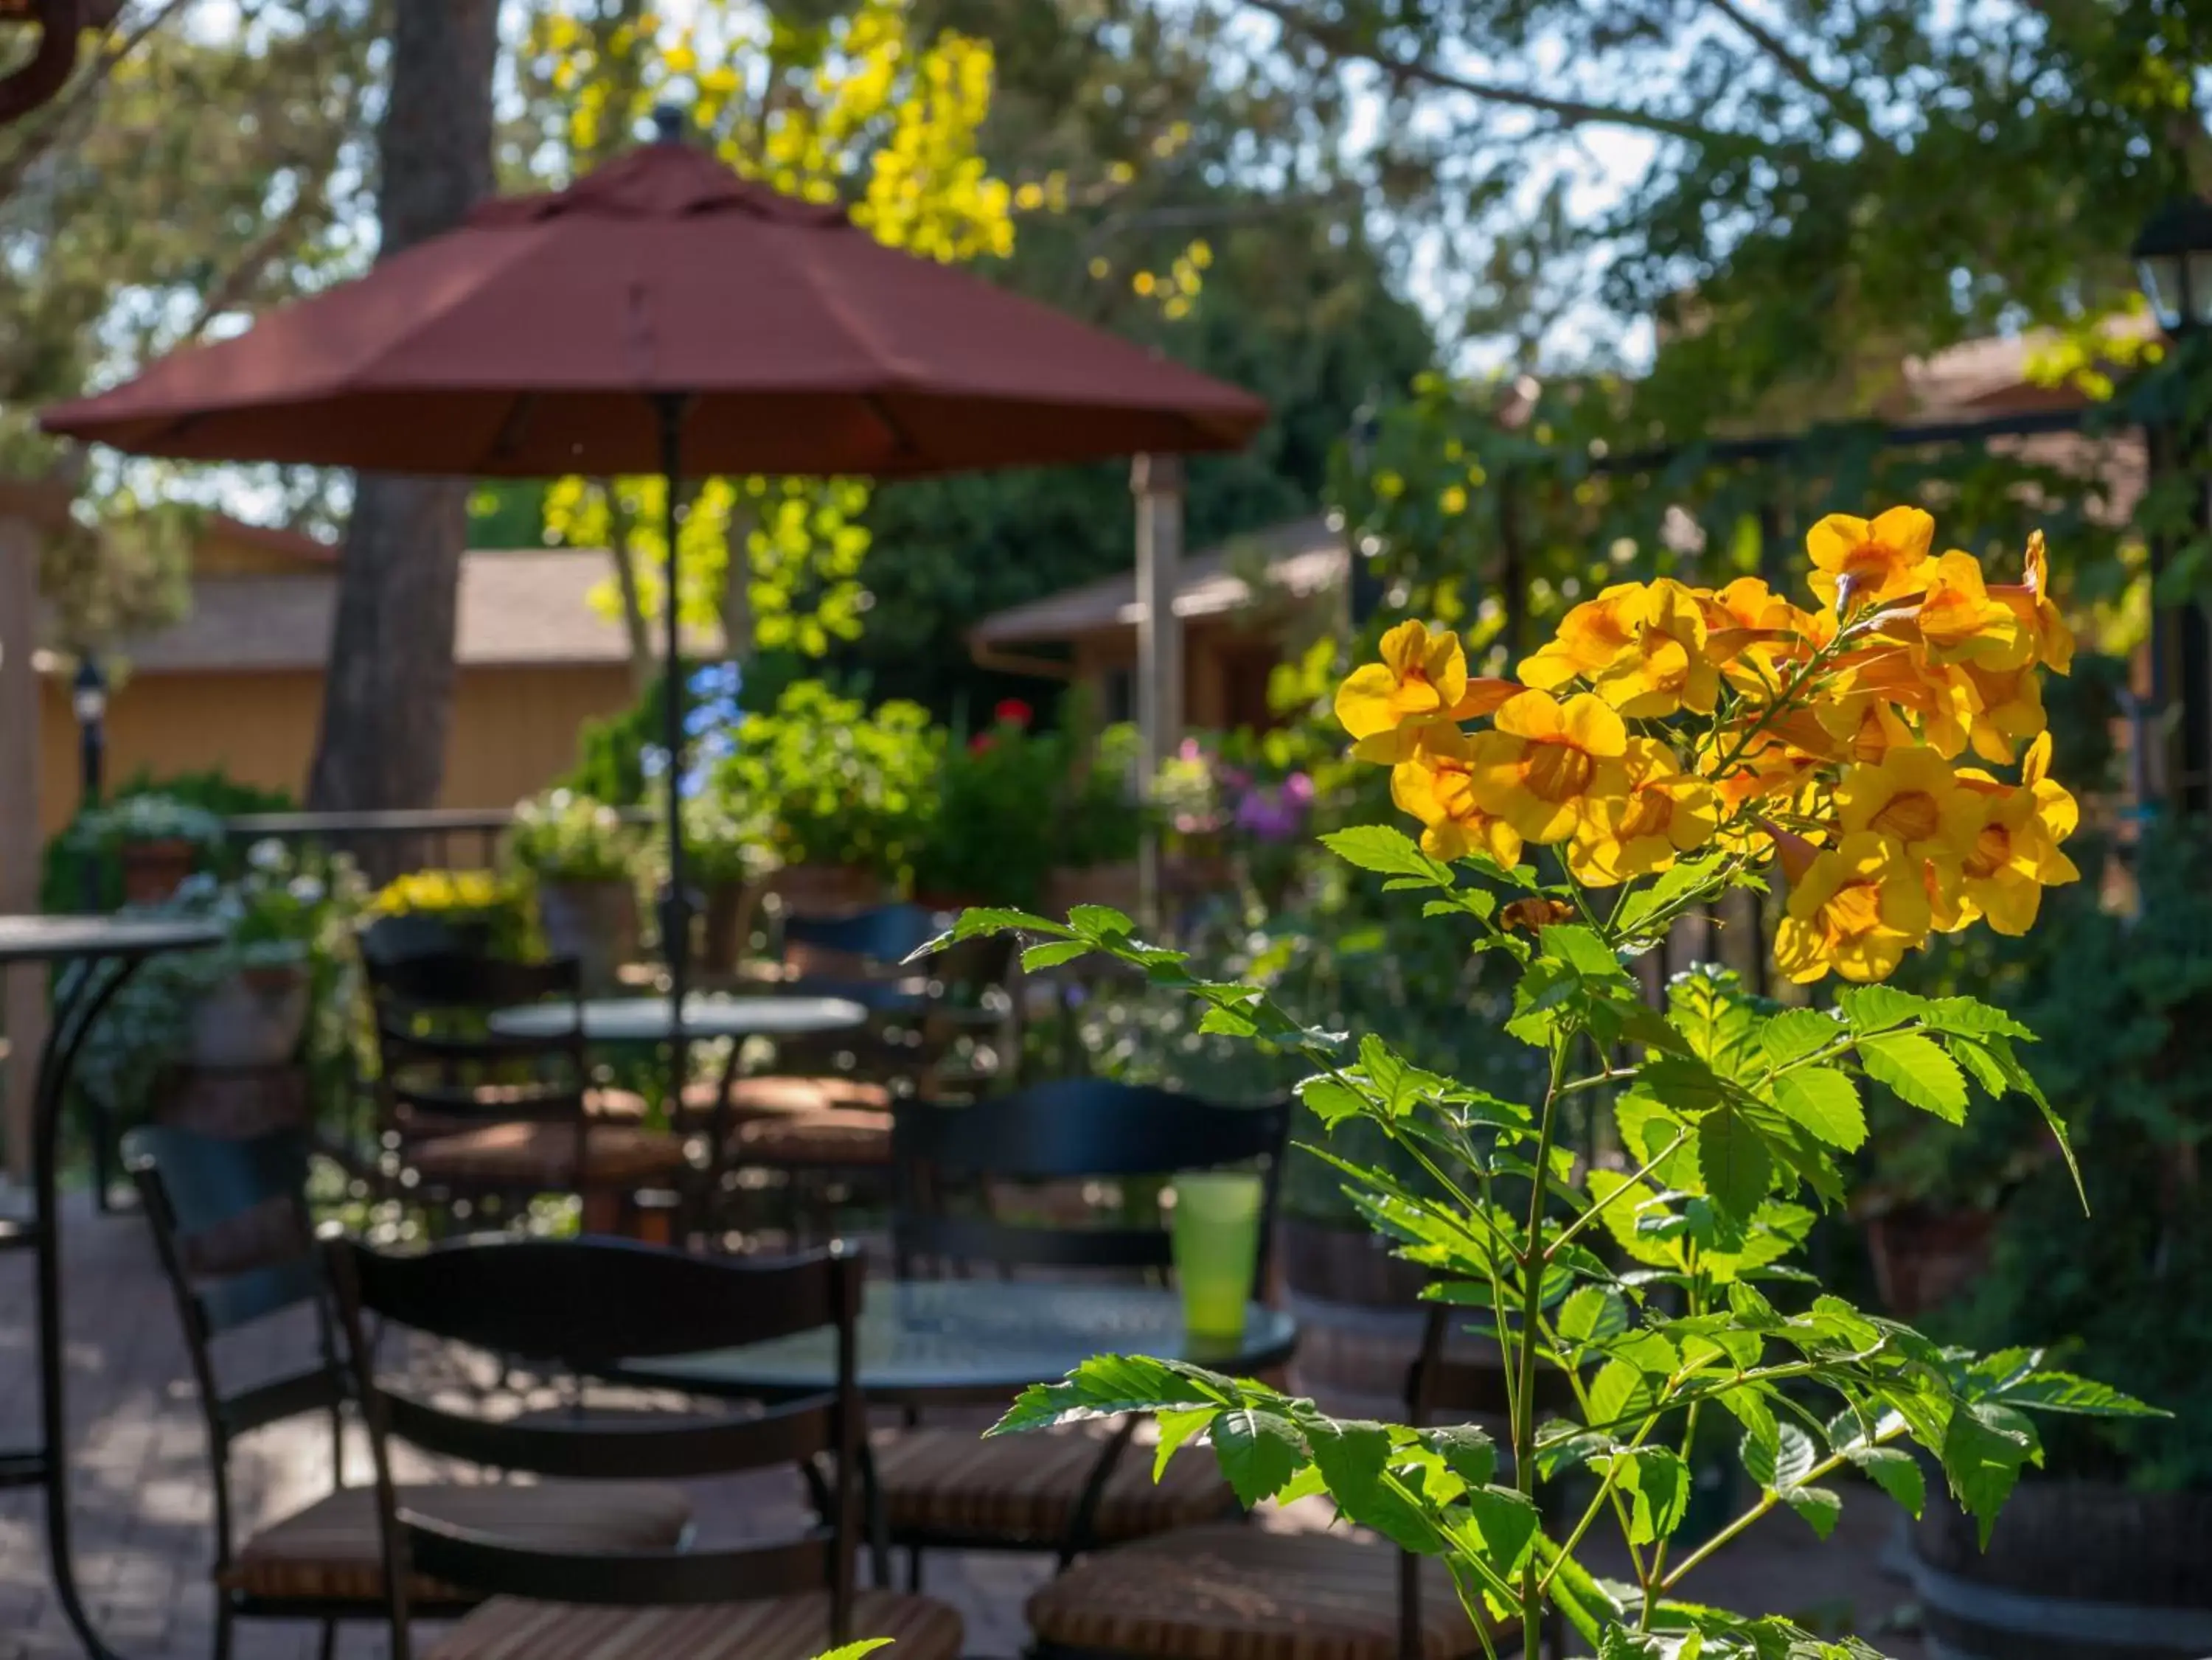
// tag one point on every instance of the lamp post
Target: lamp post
(89, 699)
(2174, 264)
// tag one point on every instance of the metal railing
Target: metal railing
(396, 839)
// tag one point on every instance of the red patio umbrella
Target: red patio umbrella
(664, 314)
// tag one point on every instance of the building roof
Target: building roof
(517, 609)
(1306, 556)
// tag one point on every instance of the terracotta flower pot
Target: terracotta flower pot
(827, 890)
(727, 928)
(153, 871)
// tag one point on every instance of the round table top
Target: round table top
(55, 939)
(977, 1339)
(650, 1020)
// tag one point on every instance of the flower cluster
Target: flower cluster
(1665, 720)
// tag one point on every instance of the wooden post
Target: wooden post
(22, 988)
(1157, 482)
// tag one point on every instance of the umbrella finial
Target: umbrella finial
(670, 126)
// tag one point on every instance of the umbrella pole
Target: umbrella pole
(675, 904)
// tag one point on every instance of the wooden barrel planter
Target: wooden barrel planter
(2074, 1571)
(1359, 1316)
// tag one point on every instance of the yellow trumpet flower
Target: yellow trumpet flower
(1435, 783)
(1857, 909)
(1421, 677)
(1857, 561)
(1653, 811)
(1538, 769)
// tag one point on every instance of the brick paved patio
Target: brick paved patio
(144, 1514)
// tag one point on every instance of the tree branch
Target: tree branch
(58, 115)
(1568, 111)
(1848, 109)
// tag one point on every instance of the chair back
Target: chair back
(440, 1063)
(421, 934)
(230, 1225)
(585, 1307)
(1074, 1130)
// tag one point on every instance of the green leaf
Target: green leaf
(1878, 1007)
(1733, 1158)
(1259, 1452)
(1981, 1066)
(1391, 852)
(1794, 1033)
(1783, 1469)
(990, 920)
(1331, 1100)
(1101, 922)
(1108, 1384)
(1919, 1071)
(1582, 950)
(1658, 1482)
(1621, 1394)
(1219, 1022)
(854, 1651)
(1053, 953)
(1678, 881)
(1176, 1428)
(1896, 1472)
(1507, 1522)
(1590, 1313)
(1622, 1213)
(2062, 1391)
(1826, 1102)
(1984, 1449)
(1820, 1507)
(1760, 1427)
(1466, 1449)
(2024, 1080)
(1965, 1017)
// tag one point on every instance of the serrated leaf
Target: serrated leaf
(1592, 1312)
(1351, 1456)
(1053, 953)
(1658, 1482)
(1100, 922)
(1820, 1508)
(1826, 1102)
(1389, 852)
(1620, 1394)
(1331, 1100)
(1966, 1017)
(1259, 1451)
(1979, 1065)
(1784, 1466)
(1794, 1033)
(2062, 1391)
(866, 1646)
(1733, 1160)
(1506, 1521)
(1678, 881)
(1985, 1447)
(1221, 1022)
(989, 919)
(1176, 1427)
(1108, 1385)
(1896, 1472)
(1761, 1428)
(1466, 1449)
(1625, 1203)
(1878, 1007)
(1919, 1070)
(1583, 950)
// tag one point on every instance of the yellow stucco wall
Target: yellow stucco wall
(514, 729)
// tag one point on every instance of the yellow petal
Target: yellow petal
(1533, 715)
(1591, 725)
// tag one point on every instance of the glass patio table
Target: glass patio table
(938, 1342)
(96, 955)
(653, 1019)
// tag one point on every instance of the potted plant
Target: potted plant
(986, 843)
(844, 789)
(728, 858)
(159, 840)
(582, 859)
(255, 1011)
(482, 911)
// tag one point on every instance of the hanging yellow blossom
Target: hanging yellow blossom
(1436, 784)
(1857, 561)
(1655, 811)
(1421, 677)
(1959, 621)
(1856, 910)
(2049, 639)
(1538, 768)
(1640, 645)
(2014, 854)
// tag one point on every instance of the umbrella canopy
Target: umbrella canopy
(528, 343)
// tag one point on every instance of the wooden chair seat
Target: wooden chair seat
(781, 1629)
(540, 1156)
(775, 1096)
(950, 1483)
(833, 1137)
(332, 1549)
(1233, 1592)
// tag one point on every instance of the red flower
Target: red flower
(1012, 712)
(978, 744)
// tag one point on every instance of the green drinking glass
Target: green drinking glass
(1216, 1243)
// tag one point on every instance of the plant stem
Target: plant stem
(1828, 1466)
(1591, 1215)
(1532, 1309)
(1657, 1577)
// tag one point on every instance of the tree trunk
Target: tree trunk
(643, 665)
(387, 701)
